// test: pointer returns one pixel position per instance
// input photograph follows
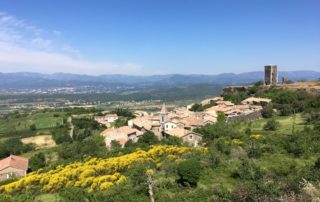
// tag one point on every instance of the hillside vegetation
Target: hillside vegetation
(276, 158)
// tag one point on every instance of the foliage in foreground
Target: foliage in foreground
(93, 174)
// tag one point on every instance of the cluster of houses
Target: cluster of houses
(180, 122)
(249, 108)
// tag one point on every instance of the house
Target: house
(256, 101)
(121, 135)
(143, 123)
(208, 118)
(13, 166)
(219, 108)
(192, 122)
(109, 118)
(169, 125)
(187, 136)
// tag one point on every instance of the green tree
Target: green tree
(171, 140)
(124, 112)
(267, 111)
(33, 127)
(115, 145)
(221, 117)
(14, 146)
(80, 136)
(189, 172)
(61, 135)
(37, 161)
(196, 107)
(148, 138)
(120, 122)
(271, 124)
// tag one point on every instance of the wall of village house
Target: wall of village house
(195, 140)
(117, 136)
(252, 116)
(168, 126)
(16, 173)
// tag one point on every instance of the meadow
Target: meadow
(21, 124)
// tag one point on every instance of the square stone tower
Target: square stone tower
(270, 75)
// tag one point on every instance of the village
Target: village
(180, 122)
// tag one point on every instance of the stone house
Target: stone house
(13, 167)
(107, 119)
(121, 135)
(169, 125)
(187, 136)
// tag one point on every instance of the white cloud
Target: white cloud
(42, 43)
(25, 47)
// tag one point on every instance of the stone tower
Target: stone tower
(163, 116)
(270, 75)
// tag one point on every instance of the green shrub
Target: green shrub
(115, 145)
(267, 111)
(37, 161)
(74, 194)
(271, 124)
(189, 172)
(33, 127)
(61, 135)
(148, 138)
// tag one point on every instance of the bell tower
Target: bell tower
(163, 116)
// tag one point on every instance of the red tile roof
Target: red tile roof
(14, 162)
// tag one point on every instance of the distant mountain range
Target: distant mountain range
(27, 80)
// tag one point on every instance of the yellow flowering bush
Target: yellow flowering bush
(94, 173)
(150, 172)
(256, 136)
(237, 141)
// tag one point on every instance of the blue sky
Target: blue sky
(146, 37)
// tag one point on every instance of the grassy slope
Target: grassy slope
(48, 197)
(286, 123)
(222, 174)
(41, 120)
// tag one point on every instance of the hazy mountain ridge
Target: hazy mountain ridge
(23, 80)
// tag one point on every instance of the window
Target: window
(190, 137)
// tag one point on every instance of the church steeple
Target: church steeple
(163, 116)
(163, 109)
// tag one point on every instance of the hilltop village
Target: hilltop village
(180, 122)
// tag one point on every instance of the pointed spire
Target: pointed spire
(163, 109)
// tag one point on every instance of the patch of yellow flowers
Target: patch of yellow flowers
(256, 136)
(94, 174)
(237, 142)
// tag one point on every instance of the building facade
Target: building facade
(13, 167)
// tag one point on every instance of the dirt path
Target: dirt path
(72, 126)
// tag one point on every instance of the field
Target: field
(286, 124)
(42, 141)
(16, 124)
